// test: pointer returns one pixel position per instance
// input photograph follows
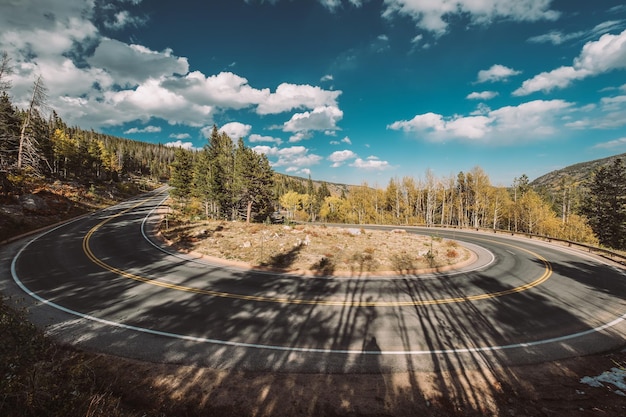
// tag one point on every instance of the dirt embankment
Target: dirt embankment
(39, 204)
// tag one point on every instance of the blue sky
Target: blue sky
(346, 91)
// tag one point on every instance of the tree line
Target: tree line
(33, 145)
(228, 181)
(466, 200)
(216, 177)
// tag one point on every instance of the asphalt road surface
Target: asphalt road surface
(104, 282)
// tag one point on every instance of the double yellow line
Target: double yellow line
(283, 300)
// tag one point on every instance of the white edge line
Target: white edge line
(286, 348)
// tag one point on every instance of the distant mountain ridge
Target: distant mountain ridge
(577, 173)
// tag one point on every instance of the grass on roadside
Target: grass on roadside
(40, 378)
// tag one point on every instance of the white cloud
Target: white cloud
(338, 158)
(330, 4)
(236, 130)
(320, 119)
(180, 144)
(613, 113)
(123, 19)
(294, 157)
(179, 136)
(371, 163)
(134, 64)
(496, 73)
(547, 81)
(327, 77)
(224, 90)
(482, 95)
(610, 104)
(433, 16)
(534, 118)
(254, 138)
(528, 121)
(617, 143)
(151, 99)
(147, 129)
(345, 140)
(300, 136)
(606, 54)
(94, 81)
(417, 39)
(291, 96)
(609, 113)
(557, 37)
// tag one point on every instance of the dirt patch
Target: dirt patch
(317, 249)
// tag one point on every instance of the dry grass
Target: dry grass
(322, 250)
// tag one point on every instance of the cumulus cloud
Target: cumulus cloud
(225, 90)
(606, 54)
(147, 129)
(134, 64)
(433, 16)
(496, 73)
(95, 81)
(151, 99)
(527, 121)
(291, 96)
(236, 130)
(320, 119)
(180, 144)
(371, 163)
(345, 140)
(338, 158)
(293, 158)
(482, 95)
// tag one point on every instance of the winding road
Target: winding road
(104, 282)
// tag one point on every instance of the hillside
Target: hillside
(576, 174)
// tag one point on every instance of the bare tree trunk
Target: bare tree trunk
(27, 150)
(249, 211)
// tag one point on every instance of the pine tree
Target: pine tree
(253, 182)
(221, 155)
(9, 133)
(182, 174)
(606, 205)
(202, 183)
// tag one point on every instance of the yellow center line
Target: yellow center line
(283, 300)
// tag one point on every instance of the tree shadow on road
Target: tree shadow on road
(239, 342)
